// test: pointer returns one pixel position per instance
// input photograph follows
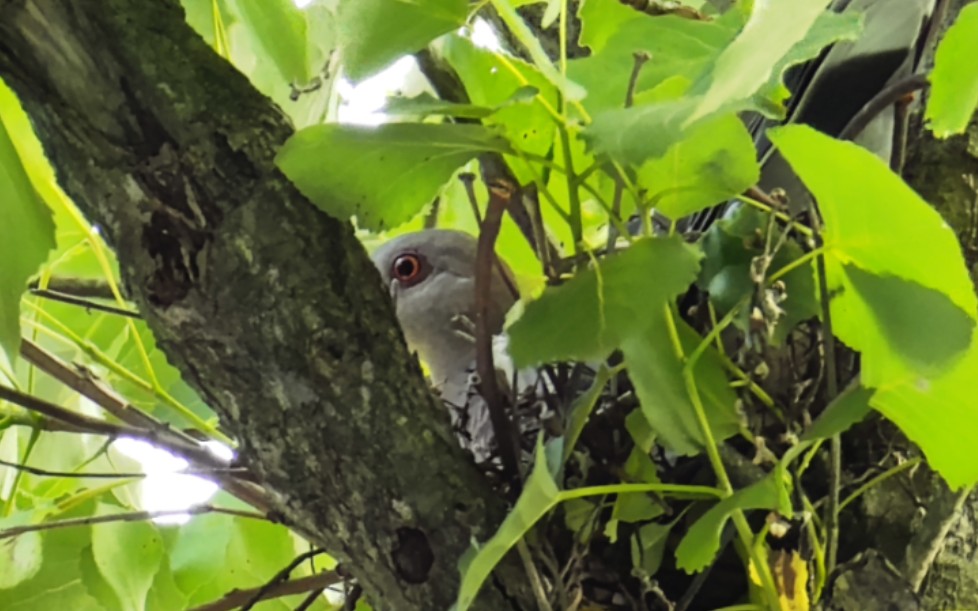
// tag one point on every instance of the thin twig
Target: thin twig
(75, 419)
(640, 59)
(110, 475)
(90, 288)
(280, 577)
(85, 303)
(880, 102)
(309, 600)
(503, 429)
(134, 516)
(901, 128)
(832, 391)
(174, 441)
(536, 583)
(468, 180)
(312, 583)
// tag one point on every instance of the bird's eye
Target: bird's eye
(407, 269)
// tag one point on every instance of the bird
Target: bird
(430, 275)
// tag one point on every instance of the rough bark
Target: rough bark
(269, 307)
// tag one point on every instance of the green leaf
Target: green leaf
(279, 29)
(20, 557)
(604, 305)
(713, 162)
(580, 410)
(493, 82)
(615, 32)
(28, 230)
(214, 554)
(514, 22)
(59, 583)
(749, 62)
(339, 167)
(425, 104)
(871, 216)
(656, 371)
(373, 33)
(198, 558)
(649, 545)
(850, 407)
(540, 494)
(954, 80)
(633, 135)
(128, 555)
(828, 28)
(921, 325)
(702, 541)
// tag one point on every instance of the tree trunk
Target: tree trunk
(269, 307)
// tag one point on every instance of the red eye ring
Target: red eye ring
(407, 269)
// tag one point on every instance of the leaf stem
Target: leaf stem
(744, 531)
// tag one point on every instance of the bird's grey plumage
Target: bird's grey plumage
(437, 314)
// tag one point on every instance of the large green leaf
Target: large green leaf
(494, 81)
(128, 555)
(373, 33)
(601, 307)
(713, 162)
(279, 30)
(749, 62)
(198, 558)
(215, 554)
(656, 370)
(910, 311)
(540, 494)
(871, 216)
(940, 415)
(382, 175)
(633, 135)
(28, 232)
(954, 80)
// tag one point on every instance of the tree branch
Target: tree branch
(269, 308)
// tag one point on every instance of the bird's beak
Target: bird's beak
(393, 290)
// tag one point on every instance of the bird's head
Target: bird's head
(431, 277)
